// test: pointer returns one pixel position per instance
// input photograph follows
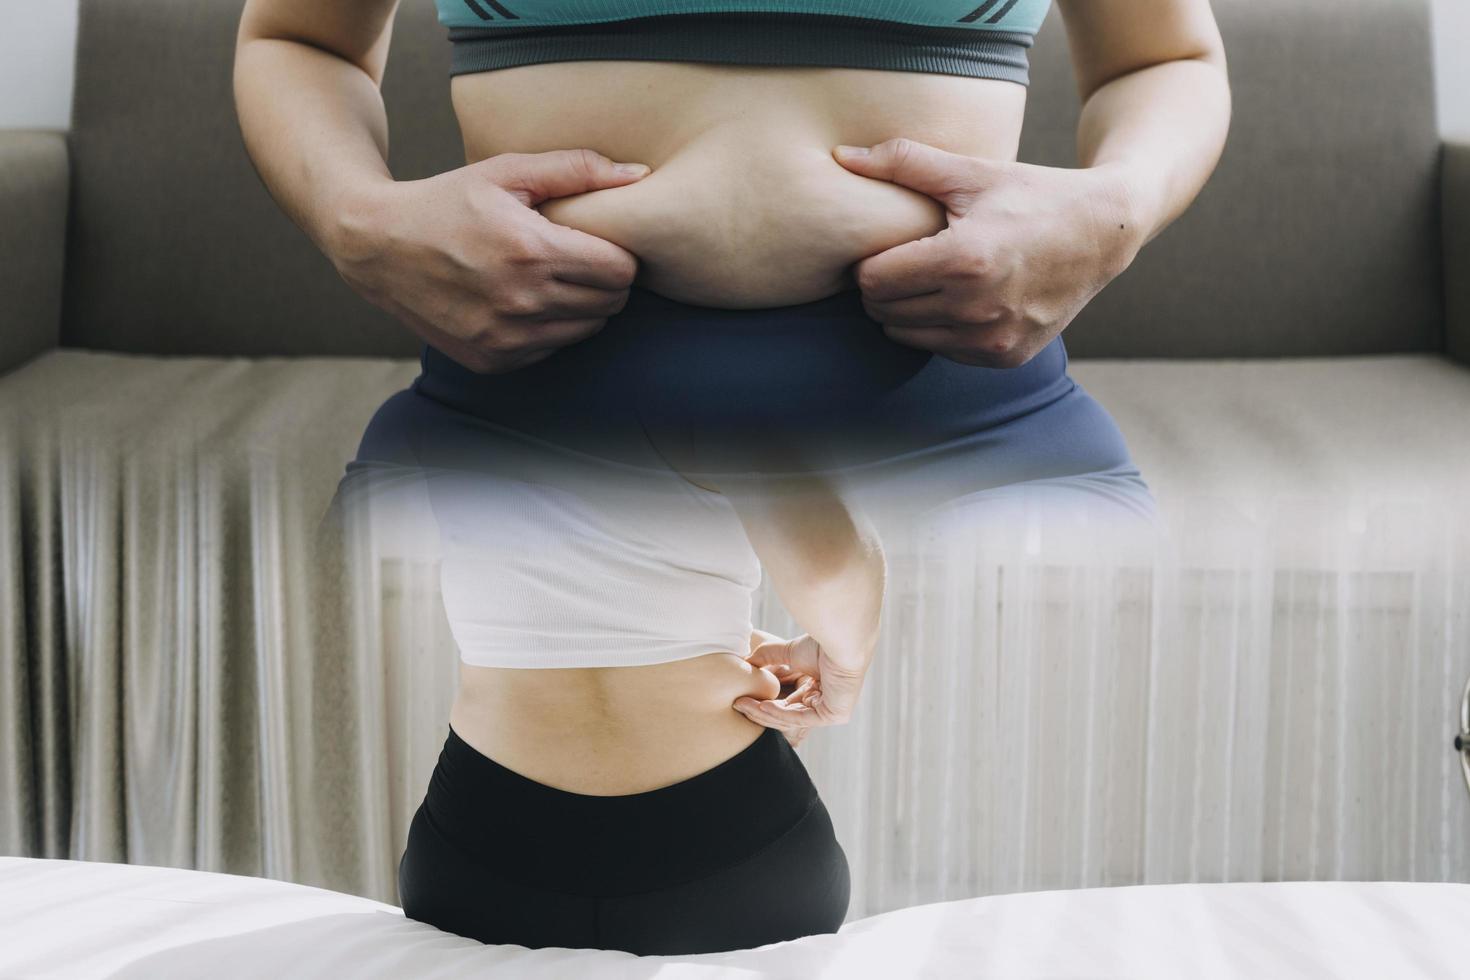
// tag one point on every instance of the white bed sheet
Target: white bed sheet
(73, 919)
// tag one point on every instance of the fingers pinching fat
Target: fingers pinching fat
(800, 653)
(802, 689)
(793, 713)
(759, 637)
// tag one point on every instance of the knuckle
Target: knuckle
(901, 148)
(525, 250)
(491, 347)
(494, 344)
(587, 163)
(1011, 357)
(978, 266)
(479, 362)
(1000, 345)
(518, 302)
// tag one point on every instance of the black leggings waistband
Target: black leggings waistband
(616, 845)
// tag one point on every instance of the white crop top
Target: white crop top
(555, 560)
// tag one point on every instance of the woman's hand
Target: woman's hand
(814, 690)
(467, 263)
(1026, 249)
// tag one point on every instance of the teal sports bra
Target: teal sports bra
(986, 39)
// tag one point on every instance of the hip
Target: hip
(737, 856)
(607, 845)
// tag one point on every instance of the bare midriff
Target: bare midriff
(745, 208)
(608, 731)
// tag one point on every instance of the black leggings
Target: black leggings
(741, 855)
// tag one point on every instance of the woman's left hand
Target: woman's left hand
(796, 688)
(1027, 247)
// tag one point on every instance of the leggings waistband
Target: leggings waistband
(614, 845)
(821, 376)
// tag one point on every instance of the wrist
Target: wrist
(847, 657)
(353, 218)
(1128, 210)
(851, 605)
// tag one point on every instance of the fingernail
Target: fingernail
(852, 151)
(633, 169)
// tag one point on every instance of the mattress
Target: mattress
(66, 919)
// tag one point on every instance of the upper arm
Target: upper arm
(356, 30)
(1109, 38)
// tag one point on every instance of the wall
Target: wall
(1452, 63)
(36, 60)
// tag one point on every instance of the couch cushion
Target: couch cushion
(1305, 463)
(307, 413)
(1383, 426)
(1317, 235)
(1389, 427)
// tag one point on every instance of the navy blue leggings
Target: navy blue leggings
(741, 855)
(819, 378)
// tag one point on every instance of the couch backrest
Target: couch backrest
(175, 245)
(1318, 234)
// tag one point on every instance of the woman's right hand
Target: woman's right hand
(815, 689)
(467, 263)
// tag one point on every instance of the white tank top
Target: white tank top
(558, 559)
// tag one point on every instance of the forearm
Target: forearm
(841, 607)
(314, 127)
(824, 559)
(1162, 130)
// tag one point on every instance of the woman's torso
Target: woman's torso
(745, 208)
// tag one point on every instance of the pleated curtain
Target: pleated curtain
(203, 665)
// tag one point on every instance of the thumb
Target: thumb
(759, 636)
(536, 177)
(800, 652)
(952, 178)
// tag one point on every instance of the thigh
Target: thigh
(797, 885)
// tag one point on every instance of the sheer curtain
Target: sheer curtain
(1249, 696)
(199, 672)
